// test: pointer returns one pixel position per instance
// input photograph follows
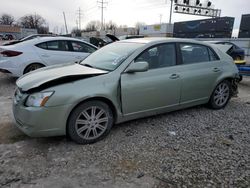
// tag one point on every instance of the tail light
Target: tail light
(10, 53)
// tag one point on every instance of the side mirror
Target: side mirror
(141, 66)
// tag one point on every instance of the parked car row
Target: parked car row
(27, 38)
(7, 37)
(122, 81)
(29, 55)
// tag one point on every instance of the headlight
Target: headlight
(38, 99)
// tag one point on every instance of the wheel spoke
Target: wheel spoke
(216, 96)
(101, 127)
(95, 134)
(93, 110)
(86, 115)
(102, 120)
(226, 90)
(82, 122)
(100, 114)
(87, 133)
(217, 101)
(83, 128)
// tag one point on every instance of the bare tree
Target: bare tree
(6, 19)
(110, 25)
(123, 26)
(93, 26)
(34, 21)
(76, 31)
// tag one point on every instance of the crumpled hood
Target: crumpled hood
(54, 75)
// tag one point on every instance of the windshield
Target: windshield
(111, 56)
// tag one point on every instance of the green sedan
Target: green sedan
(122, 81)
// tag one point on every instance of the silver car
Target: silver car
(122, 81)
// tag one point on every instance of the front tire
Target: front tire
(221, 95)
(90, 122)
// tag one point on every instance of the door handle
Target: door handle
(216, 69)
(79, 57)
(174, 76)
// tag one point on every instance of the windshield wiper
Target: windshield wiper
(88, 65)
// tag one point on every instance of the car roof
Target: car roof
(38, 40)
(49, 38)
(156, 40)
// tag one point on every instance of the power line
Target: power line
(102, 6)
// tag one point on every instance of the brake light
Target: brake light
(10, 53)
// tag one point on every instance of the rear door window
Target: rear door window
(194, 53)
(82, 47)
(56, 45)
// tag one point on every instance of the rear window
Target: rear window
(54, 45)
(195, 53)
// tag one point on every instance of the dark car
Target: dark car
(9, 37)
(109, 38)
(237, 53)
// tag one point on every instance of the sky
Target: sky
(122, 12)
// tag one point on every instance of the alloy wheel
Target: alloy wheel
(91, 123)
(221, 94)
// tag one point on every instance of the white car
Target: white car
(21, 58)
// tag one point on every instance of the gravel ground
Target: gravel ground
(196, 147)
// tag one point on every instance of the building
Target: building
(117, 32)
(245, 26)
(15, 31)
(157, 30)
(221, 27)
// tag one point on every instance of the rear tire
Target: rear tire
(241, 78)
(32, 67)
(90, 122)
(221, 95)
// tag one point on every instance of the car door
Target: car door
(55, 52)
(200, 70)
(80, 50)
(157, 88)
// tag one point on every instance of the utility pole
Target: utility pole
(79, 17)
(77, 24)
(65, 23)
(102, 6)
(160, 18)
(171, 7)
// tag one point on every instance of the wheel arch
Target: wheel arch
(228, 78)
(32, 64)
(97, 98)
